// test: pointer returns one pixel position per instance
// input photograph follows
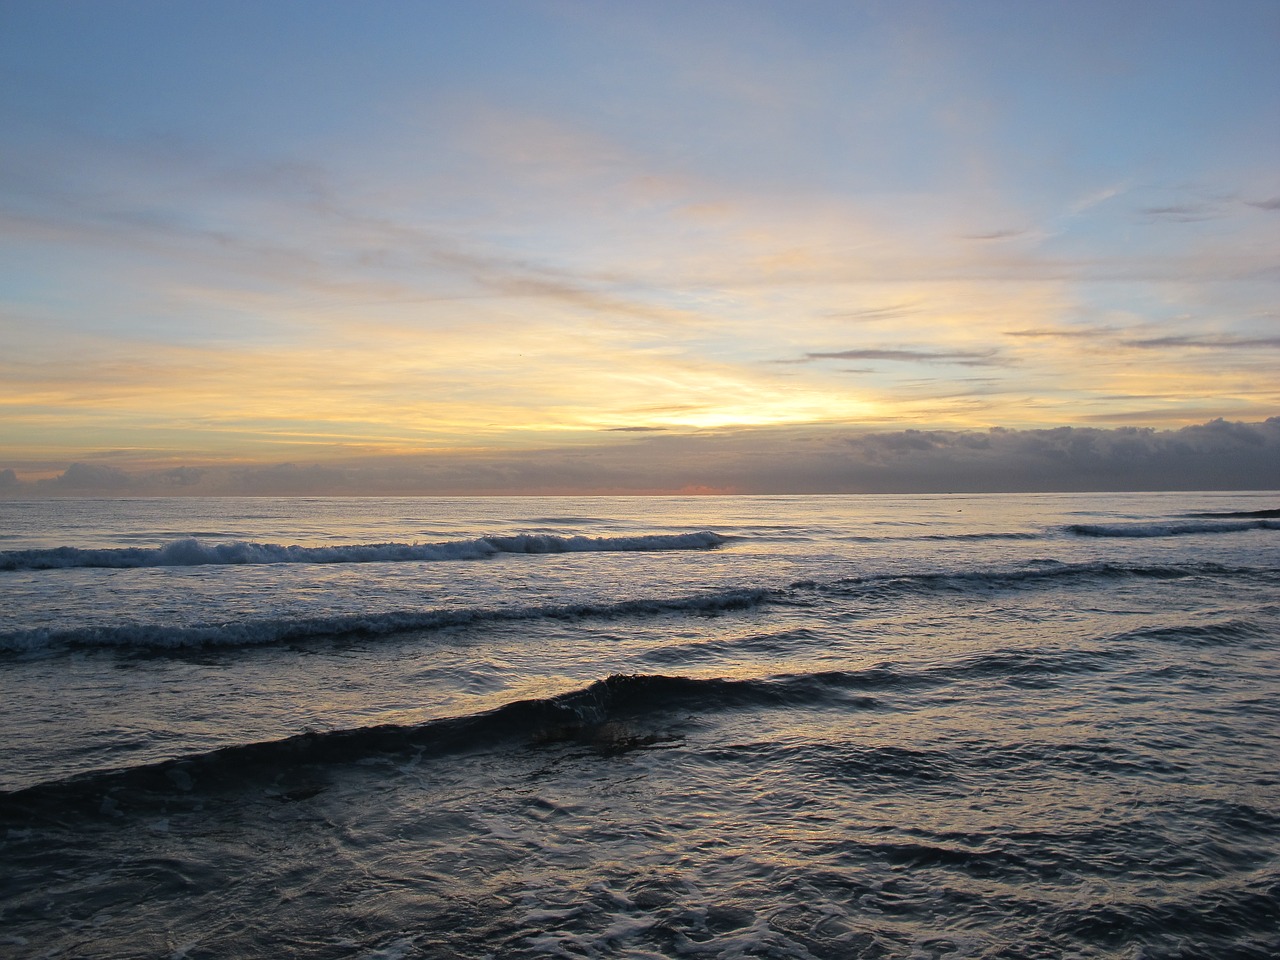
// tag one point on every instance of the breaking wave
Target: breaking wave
(1170, 529)
(191, 552)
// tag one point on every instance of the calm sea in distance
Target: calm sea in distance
(998, 726)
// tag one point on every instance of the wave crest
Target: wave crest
(1169, 529)
(874, 588)
(599, 715)
(254, 633)
(190, 552)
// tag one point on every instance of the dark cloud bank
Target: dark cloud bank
(1218, 455)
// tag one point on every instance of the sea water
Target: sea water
(952, 726)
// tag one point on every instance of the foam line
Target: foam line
(192, 552)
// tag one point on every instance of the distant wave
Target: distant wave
(1047, 572)
(1220, 634)
(1170, 529)
(192, 552)
(876, 588)
(253, 633)
(1022, 535)
(1258, 514)
(1018, 535)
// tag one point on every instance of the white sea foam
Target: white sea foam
(1169, 529)
(192, 552)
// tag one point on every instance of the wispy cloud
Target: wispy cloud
(1183, 212)
(1206, 343)
(966, 358)
(1096, 197)
(1011, 233)
(894, 311)
(1087, 333)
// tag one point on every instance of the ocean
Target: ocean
(998, 726)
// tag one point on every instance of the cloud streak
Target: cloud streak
(960, 357)
(1206, 343)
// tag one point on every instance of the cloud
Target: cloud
(339, 248)
(893, 311)
(1091, 200)
(291, 479)
(90, 478)
(1182, 212)
(962, 357)
(1272, 204)
(182, 476)
(1207, 343)
(996, 235)
(1088, 333)
(1217, 455)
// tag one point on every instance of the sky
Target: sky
(549, 246)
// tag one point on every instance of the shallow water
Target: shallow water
(1001, 726)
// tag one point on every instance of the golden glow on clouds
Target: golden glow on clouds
(340, 374)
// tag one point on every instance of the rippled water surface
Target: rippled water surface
(998, 726)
